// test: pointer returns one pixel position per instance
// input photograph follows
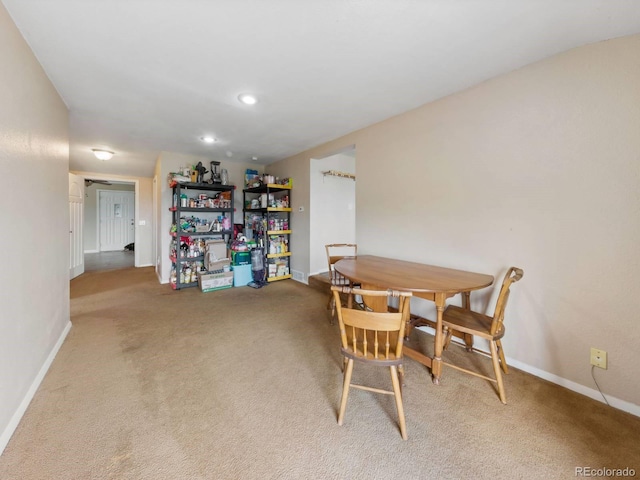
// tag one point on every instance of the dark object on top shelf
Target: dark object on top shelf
(201, 171)
(215, 175)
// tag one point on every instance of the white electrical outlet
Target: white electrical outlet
(598, 358)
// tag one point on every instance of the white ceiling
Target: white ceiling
(145, 76)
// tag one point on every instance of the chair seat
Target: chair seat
(467, 321)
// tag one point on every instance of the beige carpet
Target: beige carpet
(245, 384)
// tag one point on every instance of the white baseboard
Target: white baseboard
(614, 402)
(17, 416)
(623, 405)
(92, 251)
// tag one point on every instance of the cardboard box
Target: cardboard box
(214, 250)
(210, 282)
(217, 246)
(217, 266)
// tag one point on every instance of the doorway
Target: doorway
(332, 205)
(105, 239)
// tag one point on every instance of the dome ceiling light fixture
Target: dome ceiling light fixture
(247, 99)
(208, 139)
(102, 154)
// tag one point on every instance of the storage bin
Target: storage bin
(241, 275)
(240, 258)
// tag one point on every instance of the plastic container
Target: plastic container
(241, 258)
(241, 275)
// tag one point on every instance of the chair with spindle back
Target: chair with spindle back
(374, 338)
(491, 329)
(335, 252)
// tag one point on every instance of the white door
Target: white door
(76, 219)
(116, 219)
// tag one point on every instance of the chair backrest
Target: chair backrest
(512, 276)
(370, 335)
(338, 251)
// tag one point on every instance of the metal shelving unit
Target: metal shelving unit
(271, 225)
(215, 205)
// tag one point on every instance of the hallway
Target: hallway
(108, 260)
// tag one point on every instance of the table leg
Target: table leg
(436, 365)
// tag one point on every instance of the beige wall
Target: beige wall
(34, 289)
(538, 168)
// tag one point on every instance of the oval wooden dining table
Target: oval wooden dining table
(424, 281)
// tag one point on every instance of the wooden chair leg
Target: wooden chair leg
(401, 376)
(447, 338)
(345, 390)
(468, 342)
(496, 369)
(398, 396)
(503, 362)
(332, 305)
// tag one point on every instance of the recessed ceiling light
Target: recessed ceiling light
(248, 99)
(208, 139)
(255, 159)
(102, 154)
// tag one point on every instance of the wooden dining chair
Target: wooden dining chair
(335, 252)
(373, 338)
(492, 329)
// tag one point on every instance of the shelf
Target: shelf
(275, 279)
(276, 255)
(203, 234)
(269, 209)
(205, 210)
(263, 217)
(186, 259)
(272, 187)
(177, 211)
(183, 285)
(205, 186)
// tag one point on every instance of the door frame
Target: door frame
(76, 226)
